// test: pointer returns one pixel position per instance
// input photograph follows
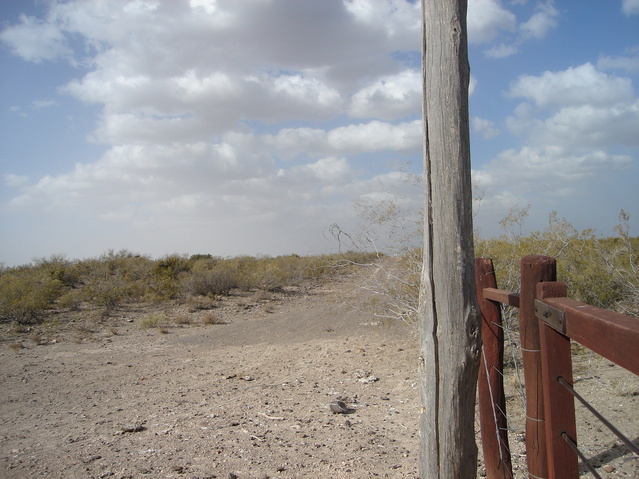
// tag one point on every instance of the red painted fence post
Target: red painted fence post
(490, 385)
(559, 404)
(534, 269)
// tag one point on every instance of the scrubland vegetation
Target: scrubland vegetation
(600, 271)
(118, 278)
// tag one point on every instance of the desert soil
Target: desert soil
(94, 397)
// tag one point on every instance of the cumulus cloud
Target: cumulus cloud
(627, 63)
(390, 97)
(579, 85)
(584, 107)
(501, 51)
(571, 125)
(485, 127)
(491, 21)
(36, 40)
(486, 18)
(541, 22)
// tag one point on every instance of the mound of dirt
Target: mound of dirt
(247, 394)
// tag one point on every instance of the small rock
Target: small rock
(340, 407)
(132, 428)
(368, 379)
(609, 468)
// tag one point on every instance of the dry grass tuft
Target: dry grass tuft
(17, 346)
(153, 320)
(38, 340)
(211, 318)
(183, 320)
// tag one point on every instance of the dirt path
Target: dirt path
(249, 398)
(245, 399)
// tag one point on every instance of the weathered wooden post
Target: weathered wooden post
(448, 311)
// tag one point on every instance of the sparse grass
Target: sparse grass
(153, 320)
(82, 333)
(196, 303)
(210, 319)
(17, 346)
(183, 320)
(19, 328)
(262, 295)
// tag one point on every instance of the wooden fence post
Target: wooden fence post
(492, 400)
(449, 321)
(534, 269)
(559, 404)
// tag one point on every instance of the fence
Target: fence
(548, 321)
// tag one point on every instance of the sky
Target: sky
(235, 127)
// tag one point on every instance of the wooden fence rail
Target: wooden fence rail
(548, 321)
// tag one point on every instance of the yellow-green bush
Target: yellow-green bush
(26, 293)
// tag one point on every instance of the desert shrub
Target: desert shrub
(197, 257)
(153, 320)
(108, 292)
(71, 299)
(603, 272)
(597, 271)
(26, 293)
(172, 266)
(211, 318)
(217, 281)
(59, 268)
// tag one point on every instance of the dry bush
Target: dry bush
(25, 294)
(153, 320)
(210, 319)
(217, 281)
(183, 320)
(17, 346)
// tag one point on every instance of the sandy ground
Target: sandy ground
(99, 397)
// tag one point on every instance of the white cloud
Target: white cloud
(628, 63)
(486, 18)
(630, 7)
(14, 181)
(391, 97)
(376, 136)
(585, 108)
(548, 179)
(485, 127)
(541, 22)
(581, 122)
(353, 139)
(501, 51)
(35, 40)
(575, 86)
